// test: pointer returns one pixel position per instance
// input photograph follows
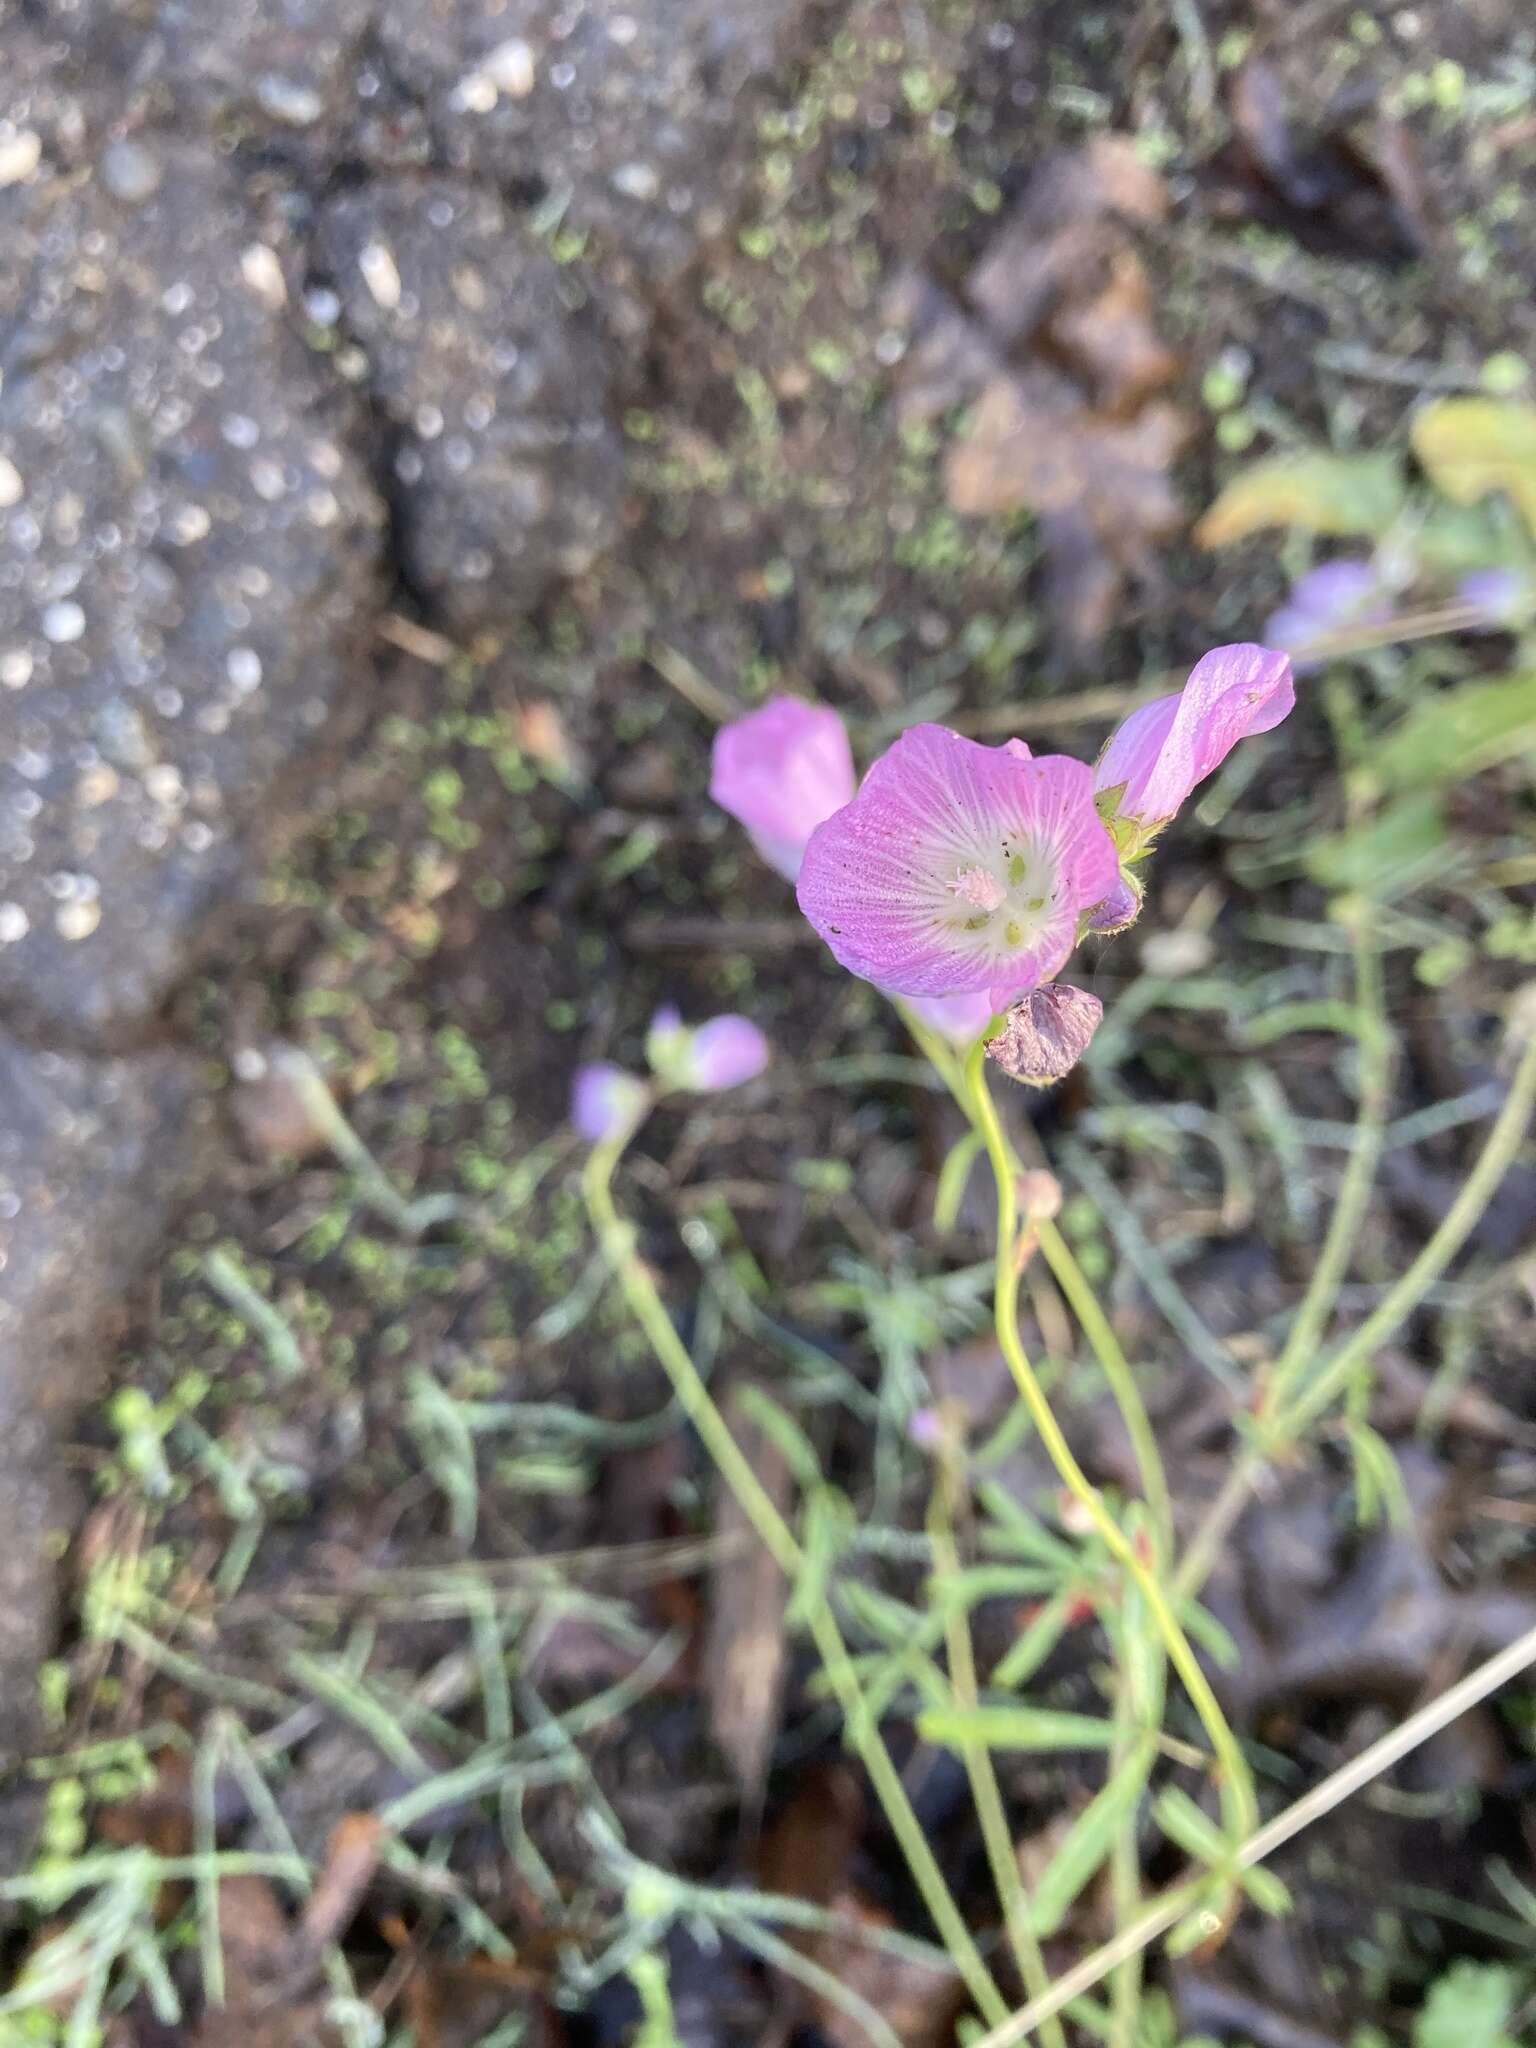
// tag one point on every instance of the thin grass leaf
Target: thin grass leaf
(784, 1433)
(953, 1176)
(1191, 1829)
(1086, 1844)
(1034, 1728)
(1044, 1631)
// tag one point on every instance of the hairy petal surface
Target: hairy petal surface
(959, 868)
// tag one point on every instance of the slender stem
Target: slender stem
(1239, 1804)
(1349, 1210)
(975, 1755)
(1137, 1707)
(694, 1398)
(1451, 1233)
(1075, 1285)
(1455, 1227)
(1084, 1303)
(1312, 1806)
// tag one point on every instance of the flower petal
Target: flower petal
(1047, 1034)
(780, 771)
(958, 867)
(1165, 748)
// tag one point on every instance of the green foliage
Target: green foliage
(1471, 2006)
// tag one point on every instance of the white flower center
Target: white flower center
(1003, 902)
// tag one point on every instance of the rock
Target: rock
(634, 114)
(506, 467)
(87, 1175)
(272, 66)
(183, 573)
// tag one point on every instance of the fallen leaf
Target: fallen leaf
(1318, 492)
(746, 1646)
(1472, 446)
(1347, 180)
(1034, 443)
(1062, 355)
(1111, 342)
(351, 1858)
(919, 2001)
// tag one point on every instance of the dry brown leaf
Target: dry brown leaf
(920, 2002)
(1034, 443)
(745, 1646)
(351, 1857)
(1111, 342)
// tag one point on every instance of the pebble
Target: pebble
(130, 172)
(20, 156)
(510, 68)
(77, 919)
(63, 622)
(14, 923)
(381, 274)
(296, 106)
(264, 275)
(10, 484)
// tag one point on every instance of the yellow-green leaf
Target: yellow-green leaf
(1317, 491)
(1471, 446)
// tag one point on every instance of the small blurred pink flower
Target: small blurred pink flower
(1047, 1034)
(959, 868)
(606, 1102)
(780, 771)
(722, 1053)
(1348, 591)
(960, 1019)
(1503, 597)
(1161, 751)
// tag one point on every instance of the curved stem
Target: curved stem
(1084, 1303)
(696, 1402)
(1075, 1285)
(1450, 1234)
(1239, 1804)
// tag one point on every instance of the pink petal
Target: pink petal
(960, 1019)
(1166, 747)
(958, 868)
(605, 1101)
(726, 1052)
(780, 771)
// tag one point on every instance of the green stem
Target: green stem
(1349, 1210)
(1095, 1325)
(694, 1398)
(1285, 1428)
(1082, 1300)
(1450, 1234)
(1239, 1804)
(976, 1757)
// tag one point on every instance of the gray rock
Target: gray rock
(633, 113)
(188, 551)
(270, 66)
(87, 1174)
(506, 468)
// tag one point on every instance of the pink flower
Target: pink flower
(1165, 748)
(961, 1019)
(959, 868)
(606, 1102)
(723, 1053)
(780, 772)
(1348, 591)
(1047, 1034)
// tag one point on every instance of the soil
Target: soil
(518, 864)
